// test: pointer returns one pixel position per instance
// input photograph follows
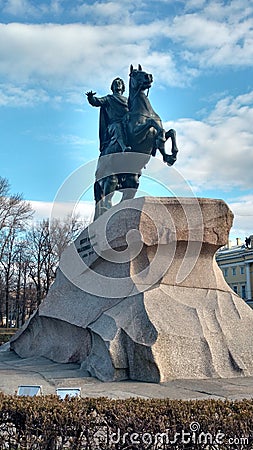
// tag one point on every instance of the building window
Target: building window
(235, 289)
(233, 271)
(242, 270)
(243, 291)
(225, 272)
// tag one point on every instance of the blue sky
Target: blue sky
(201, 56)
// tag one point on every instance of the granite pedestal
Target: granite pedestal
(140, 296)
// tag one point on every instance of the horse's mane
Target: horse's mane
(133, 92)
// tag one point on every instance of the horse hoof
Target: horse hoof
(170, 160)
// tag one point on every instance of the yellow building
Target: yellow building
(236, 263)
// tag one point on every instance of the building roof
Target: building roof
(237, 251)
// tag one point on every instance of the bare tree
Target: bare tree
(7, 264)
(15, 214)
(29, 255)
(64, 231)
(46, 242)
(22, 284)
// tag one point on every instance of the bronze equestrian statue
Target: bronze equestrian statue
(130, 132)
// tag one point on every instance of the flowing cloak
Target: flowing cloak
(113, 108)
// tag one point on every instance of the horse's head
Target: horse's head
(140, 80)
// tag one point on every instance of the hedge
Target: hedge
(49, 423)
(6, 334)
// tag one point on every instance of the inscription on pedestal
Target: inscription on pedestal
(86, 247)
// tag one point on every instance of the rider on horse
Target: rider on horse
(114, 108)
(130, 132)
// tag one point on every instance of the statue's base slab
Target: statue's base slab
(139, 296)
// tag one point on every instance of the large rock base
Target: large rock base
(139, 296)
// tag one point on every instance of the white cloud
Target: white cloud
(217, 35)
(24, 95)
(199, 32)
(11, 95)
(56, 6)
(69, 140)
(96, 10)
(55, 55)
(218, 152)
(101, 11)
(233, 11)
(19, 7)
(27, 9)
(51, 210)
(60, 55)
(242, 208)
(229, 106)
(192, 4)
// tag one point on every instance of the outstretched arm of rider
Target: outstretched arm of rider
(95, 101)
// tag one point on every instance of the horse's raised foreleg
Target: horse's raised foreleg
(170, 159)
(172, 134)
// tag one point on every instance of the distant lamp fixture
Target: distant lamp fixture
(29, 390)
(70, 392)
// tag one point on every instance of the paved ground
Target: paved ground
(15, 371)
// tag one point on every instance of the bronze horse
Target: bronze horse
(120, 171)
